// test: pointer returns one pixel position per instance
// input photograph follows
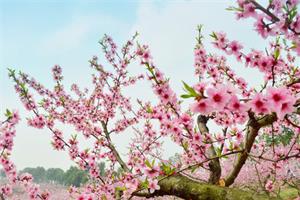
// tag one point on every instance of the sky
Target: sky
(35, 35)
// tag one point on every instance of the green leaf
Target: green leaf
(165, 168)
(189, 89)
(147, 163)
(172, 171)
(218, 151)
(292, 14)
(11, 72)
(120, 188)
(213, 35)
(74, 136)
(22, 85)
(235, 9)
(283, 138)
(8, 113)
(153, 162)
(294, 45)
(62, 99)
(41, 103)
(284, 41)
(230, 145)
(103, 197)
(148, 109)
(144, 184)
(285, 8)
(276, 53)
(149, 68)
(193, 168)
(286, 137)
(185, 145)
(186, 96)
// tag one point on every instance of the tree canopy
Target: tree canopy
(256, 131)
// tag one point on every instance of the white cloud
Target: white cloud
(73, 34)
(170, 31)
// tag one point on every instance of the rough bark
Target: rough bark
(252, 131)
(186, 188)
(242, 157)
(214, 164)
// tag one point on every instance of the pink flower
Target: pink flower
(296, 24)
(6, 190)
(265, 64)
(277, 4)
(235, 105)
(185, 119)
(218, 97)
(221, 40)
(203, 106)
(239, 136)
(199, 52)
(249, 10)
(297, 49)
(286, 107)
(234, 48)
(152, 172)
(293, 3)
(37, 122)
(277, 96)
(200, 87)
(56, 72)
(260, 27)
(153, 185)
(269, 186)
(282, 102)
(15, 118)
(259, 104)
(197, 138)
(85, 197)
(146, 56)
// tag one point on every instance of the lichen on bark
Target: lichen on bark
(185, 188)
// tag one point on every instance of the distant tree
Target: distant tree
(101, 166)
(55, 175)
(75, 177)
(38, 173)
(2, 173)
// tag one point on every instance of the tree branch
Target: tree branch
(214, 164)
(113, 149)
(186, 188)
(252, 130)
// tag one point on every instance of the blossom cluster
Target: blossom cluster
(257, 123)
(7, 130)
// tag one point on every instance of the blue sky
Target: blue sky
(35, 35)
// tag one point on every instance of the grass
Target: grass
(288, 193)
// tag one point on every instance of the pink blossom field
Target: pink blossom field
(58, 192)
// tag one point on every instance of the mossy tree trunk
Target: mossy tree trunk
(183, 187)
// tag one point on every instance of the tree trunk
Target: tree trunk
(252, 131)
(183, 187)
(242, 157)
(214, 164)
